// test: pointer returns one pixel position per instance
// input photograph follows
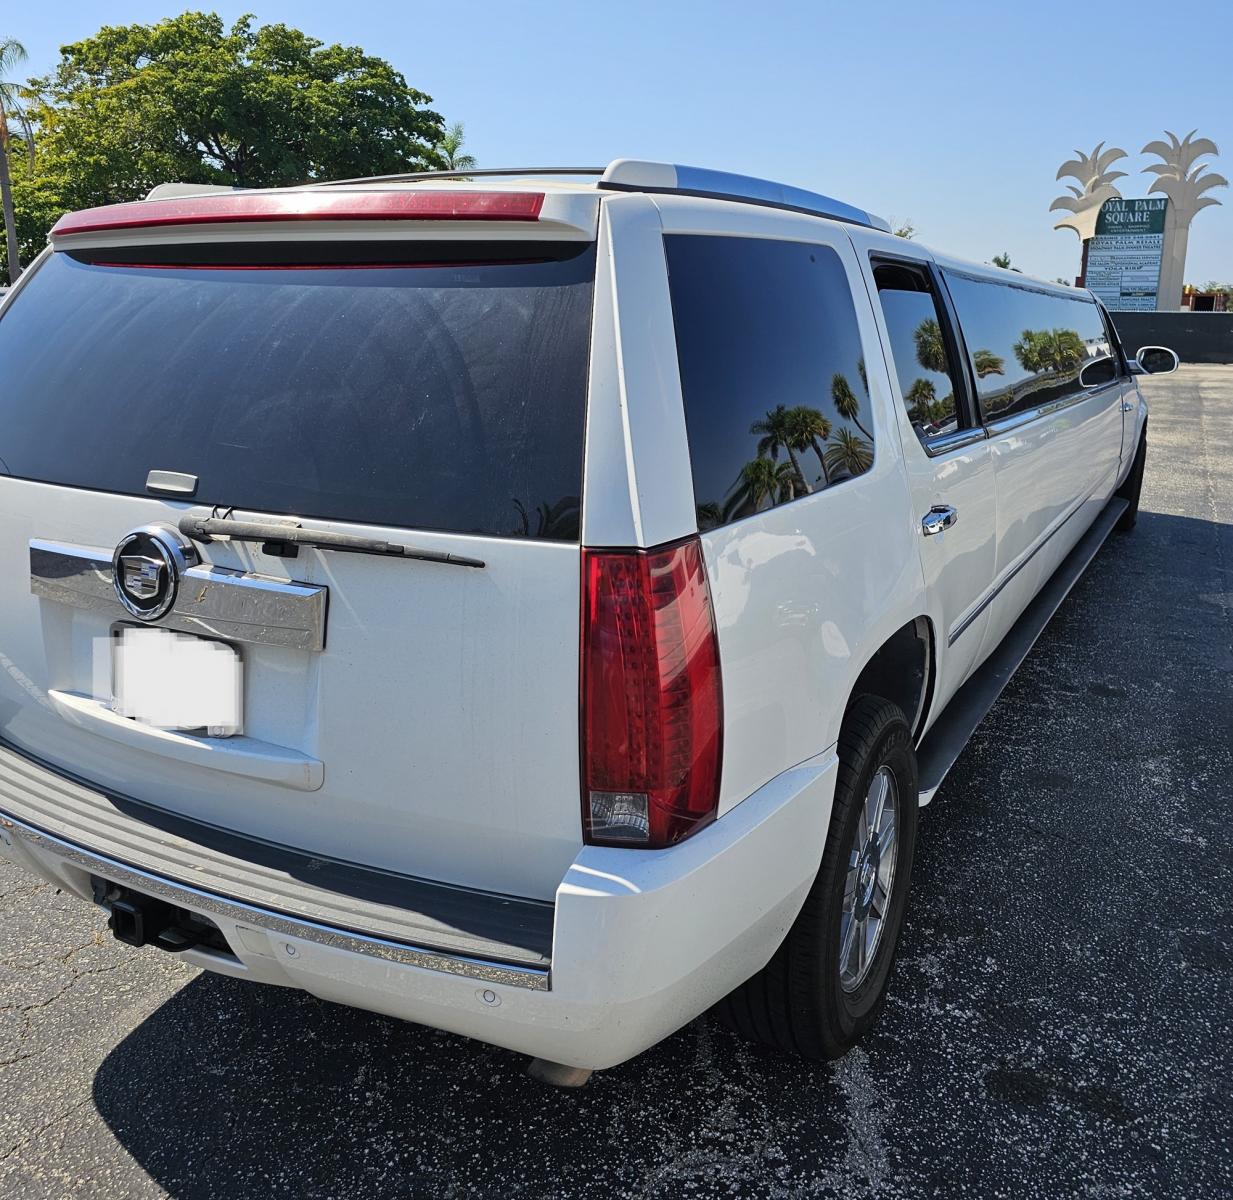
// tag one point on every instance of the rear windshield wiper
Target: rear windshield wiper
(278, 534)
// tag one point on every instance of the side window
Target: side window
(772, 373)
(1027, 345)
(922, 360)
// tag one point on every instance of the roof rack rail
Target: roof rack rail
(632, 175)
(474, 172)
(636, 175)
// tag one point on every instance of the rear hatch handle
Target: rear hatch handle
(292, 534)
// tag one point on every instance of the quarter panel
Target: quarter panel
(805, 592)
(638, 490)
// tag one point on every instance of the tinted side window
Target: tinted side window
(776, 403)
(1027, 345)
(922, 361)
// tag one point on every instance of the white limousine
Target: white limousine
(537, 606)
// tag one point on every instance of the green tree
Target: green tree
(762, 482)
(849, 454)
(808, 429)
(922, 402)
(188, 99)
(903, 229)
(12, 55)
(930, 348)
(988, 363)
(1002, 260)
(1046, 350)
(780, 430)
(845, 401)
(450, 149)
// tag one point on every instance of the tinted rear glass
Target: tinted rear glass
(446, 397)
(772, 373)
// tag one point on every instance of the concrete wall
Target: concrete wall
(1196, 337)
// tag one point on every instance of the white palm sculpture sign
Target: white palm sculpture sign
(1184, 184)
(1095, 187)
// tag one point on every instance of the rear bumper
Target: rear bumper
(642, 941)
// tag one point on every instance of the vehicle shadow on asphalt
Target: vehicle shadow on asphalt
(234, 1090)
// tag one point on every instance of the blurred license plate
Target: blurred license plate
(177, 681)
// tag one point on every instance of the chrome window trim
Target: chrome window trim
(999, 425)
(955, 440)
(236, 606)
(275, 922)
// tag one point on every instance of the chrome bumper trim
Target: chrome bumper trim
(270, 921)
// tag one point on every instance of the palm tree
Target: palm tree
(988, 363)
(1040, 350)
(12, 54)
(846, 403)
(849, 453)
(809, 429)
(1185, 188)
(786, 480)
(760, 480)
(780, 430)
(920, 399)
(930, 349)
(449, 148)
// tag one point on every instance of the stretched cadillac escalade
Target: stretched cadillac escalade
(534, 607)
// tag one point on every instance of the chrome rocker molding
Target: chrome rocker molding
(234, 605)
(272, 922)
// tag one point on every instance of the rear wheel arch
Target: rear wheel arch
(902, 670)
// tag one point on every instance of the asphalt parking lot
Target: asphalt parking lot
(1061, 1021)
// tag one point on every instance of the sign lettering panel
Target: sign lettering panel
(1123, 259)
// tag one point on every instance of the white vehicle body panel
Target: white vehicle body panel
(495, 676)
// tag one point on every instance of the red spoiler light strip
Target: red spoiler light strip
(306, 206)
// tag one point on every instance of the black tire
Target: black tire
(1132, 486)
(797, 1002)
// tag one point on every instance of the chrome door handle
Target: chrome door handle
(1127, 406)
(939, 517)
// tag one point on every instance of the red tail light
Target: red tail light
(652, 698)
(322, 204)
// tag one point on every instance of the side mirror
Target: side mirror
(1098, 372)
(1156, 360)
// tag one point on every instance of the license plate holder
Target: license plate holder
(177, 681)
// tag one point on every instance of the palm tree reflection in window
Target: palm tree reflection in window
(987, 363)
(930, 349)
(780, 429)
(930, 414)
(847, 405)
(799, 431)
(1049, 350)
(850, 455)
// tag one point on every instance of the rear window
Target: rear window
(432, 396)
(772, 373)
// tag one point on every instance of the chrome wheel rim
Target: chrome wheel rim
(870, 881)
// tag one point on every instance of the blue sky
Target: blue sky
(955, 115)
